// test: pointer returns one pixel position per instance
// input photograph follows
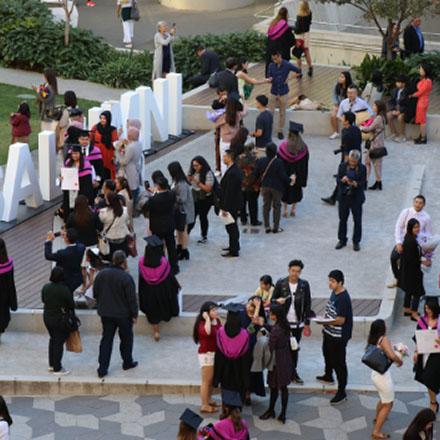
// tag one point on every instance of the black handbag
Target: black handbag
(135, 14)
(377, 153)
(376, 359)
(69, 321)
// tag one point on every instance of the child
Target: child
(265, 290)
(21, 128)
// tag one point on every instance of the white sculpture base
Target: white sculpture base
(206, 5)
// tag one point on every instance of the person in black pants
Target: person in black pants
(231, 201)
(294, 293)
(351, 180)
(202, 181)
(56, 298)
(161, 209)
(115, 293)
(209, 65)
(336, 333)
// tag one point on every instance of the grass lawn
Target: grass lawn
(9, 100)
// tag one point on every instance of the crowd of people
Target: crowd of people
(266, 332)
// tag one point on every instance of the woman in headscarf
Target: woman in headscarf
(158, 287)
(295, 155)
(103, 136)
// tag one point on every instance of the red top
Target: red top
(208, 342)
(108, 154)
(20, 125)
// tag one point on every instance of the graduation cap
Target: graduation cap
(153, 241)
(231, 398)
(234, 307)
(75, 112)
(295, 127)
(191, 419)
(75, 148)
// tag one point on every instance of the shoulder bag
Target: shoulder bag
(376, 153)
(135, 14)
(376, 359)
(103, 244)
(69, 321)
(260, 181)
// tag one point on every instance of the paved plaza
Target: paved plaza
(121, 417)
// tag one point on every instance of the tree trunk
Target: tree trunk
(66, 31)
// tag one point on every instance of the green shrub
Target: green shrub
(392, 68)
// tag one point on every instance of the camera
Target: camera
(347, 190)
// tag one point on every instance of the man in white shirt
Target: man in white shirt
(294, 294)
(353, 103)
(427, 241)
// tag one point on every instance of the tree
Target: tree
(394, 12)
(68, 9)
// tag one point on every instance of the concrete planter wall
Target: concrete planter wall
(206, 5)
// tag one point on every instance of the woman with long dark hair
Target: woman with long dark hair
(427, 366)
(58, 300)
(21, 128)
(76, 160)
(5, 419)
(114, 218)
(229, 124)
(184, 210)
(202, 181)
(103, 135)
(280, 36)
(123, 189)
(158, 287)
(421, 427)
(281, 374)
(46, 96)
(295, 155)
(233, 357)
(206, 326)
(411, 275)
(339, 94)
(70, 103)
(377, 130)
(246, 83)
(8, 294)
(382, 382)
(160, 209)
(424, 89)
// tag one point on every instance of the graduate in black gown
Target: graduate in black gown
(85, 174)
(295, 155)
(8, 294)
(233, 357)
(158, 287)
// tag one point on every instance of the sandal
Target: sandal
(380, 436)
(208, 409)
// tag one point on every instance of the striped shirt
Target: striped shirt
(339, 305)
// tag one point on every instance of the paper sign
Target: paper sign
(426, 341)
(69, 179)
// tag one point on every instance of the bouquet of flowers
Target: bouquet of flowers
(43, 91)
(401, 350)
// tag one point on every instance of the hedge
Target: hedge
(30, 40)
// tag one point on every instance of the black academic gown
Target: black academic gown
(300, 168)
(8, 294)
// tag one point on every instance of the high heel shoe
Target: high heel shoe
(377, 185)
(184, 254)
(179, 251)
(282, 418)
(269, 414)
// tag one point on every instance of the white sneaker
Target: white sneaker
(50, 369)
(62, 372)
(335, 135)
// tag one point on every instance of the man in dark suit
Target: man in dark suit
(69, 258)
(294, 294)
(209, 64)
(413, 40)
(231, 200)
(352, 177)
(226, 78)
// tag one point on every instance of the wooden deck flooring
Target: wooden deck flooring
(25, 244)
(318, 88)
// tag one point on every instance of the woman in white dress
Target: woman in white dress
(382, 382)
(5, 420)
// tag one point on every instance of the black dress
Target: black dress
(158, 296)
(428, 375)
(279, 344)
(8, 294)
(411, 275)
